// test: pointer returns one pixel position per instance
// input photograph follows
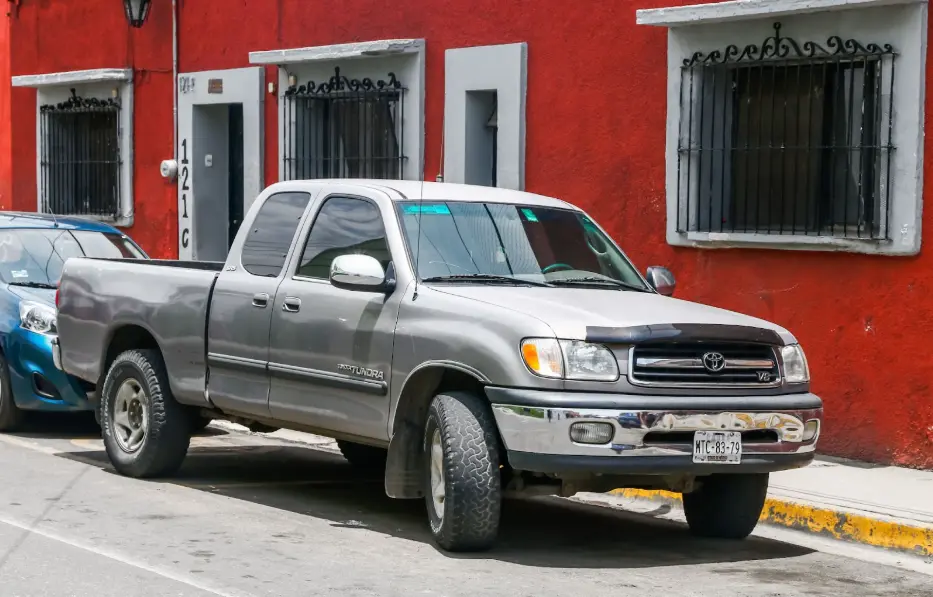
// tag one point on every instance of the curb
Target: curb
(835, 524)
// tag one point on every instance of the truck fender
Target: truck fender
(403, 476)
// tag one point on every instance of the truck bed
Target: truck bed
(103, 300)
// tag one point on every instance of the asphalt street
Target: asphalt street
(250, 515)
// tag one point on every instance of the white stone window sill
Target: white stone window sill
(366, 49)
(731, 240)
(738, 10)
(77, 77)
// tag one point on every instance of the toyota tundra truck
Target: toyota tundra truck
(469, 343)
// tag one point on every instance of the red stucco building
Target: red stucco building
(778, 171)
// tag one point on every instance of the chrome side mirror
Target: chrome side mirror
(661, 279)
(358, 272)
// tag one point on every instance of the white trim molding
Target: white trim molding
(75, 77)
(501, 69)
(366, 49)
(712, 27)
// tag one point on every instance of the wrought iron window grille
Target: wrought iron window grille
(787, 138)
(344, 128)
(80, 156)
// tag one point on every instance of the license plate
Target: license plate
(717, 447)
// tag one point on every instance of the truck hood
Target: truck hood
(569, 311)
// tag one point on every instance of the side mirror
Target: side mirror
(661, 279)
(358, 272)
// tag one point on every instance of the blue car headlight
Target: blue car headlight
(38, 318)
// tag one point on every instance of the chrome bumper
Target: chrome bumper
(539, 437)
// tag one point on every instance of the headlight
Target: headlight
(570, 359)
(37, 317)
(796, 369)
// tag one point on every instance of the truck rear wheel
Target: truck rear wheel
(146, 432)
(726, 506)
(362, 456)
(463, 490)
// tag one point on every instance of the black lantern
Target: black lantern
(136, 11)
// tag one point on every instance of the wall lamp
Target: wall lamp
(136, 11)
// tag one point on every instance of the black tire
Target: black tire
(726, 506)
(11, 417)
(363, 457)
(469, 442)
(165, 444)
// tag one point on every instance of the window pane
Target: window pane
(109, 246)
(267, 242)
(38, 256)
(344, 226)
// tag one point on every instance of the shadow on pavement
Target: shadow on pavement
(69, 426)
(542, 532)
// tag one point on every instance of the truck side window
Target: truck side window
(266, 246)
(343, 226)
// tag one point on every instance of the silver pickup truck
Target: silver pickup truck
(473, 343)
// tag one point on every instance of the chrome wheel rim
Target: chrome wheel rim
(438, 491)
(130, 416)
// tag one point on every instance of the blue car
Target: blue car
(33, 250)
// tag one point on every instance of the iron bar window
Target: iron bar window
(787, 138)
(80, 156)
(344, 128)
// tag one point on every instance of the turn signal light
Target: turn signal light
(811, 429)
(591, 433)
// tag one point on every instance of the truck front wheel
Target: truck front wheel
(726, 506)
(146, 432)
(463, 489)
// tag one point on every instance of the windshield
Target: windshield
(35, 257)
(538, 244)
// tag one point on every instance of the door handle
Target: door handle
(260, 300)
(291, 304)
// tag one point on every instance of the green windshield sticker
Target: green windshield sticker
(439, 209)
(529, 215)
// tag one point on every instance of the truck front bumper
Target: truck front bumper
(653, 435)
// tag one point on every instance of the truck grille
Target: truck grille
(704, 364)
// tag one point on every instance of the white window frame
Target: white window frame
(100, 83)
(902, 23)
(372, 59)
(500, 68)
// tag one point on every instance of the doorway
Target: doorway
(235, 196)
(220, 158)
(217, 166)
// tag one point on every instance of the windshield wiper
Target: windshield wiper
(34, 285)
(483, 278)
(593, 281)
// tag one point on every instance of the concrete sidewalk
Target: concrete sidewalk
(882, 506)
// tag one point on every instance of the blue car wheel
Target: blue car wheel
(10, 415)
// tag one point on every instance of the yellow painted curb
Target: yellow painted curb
(844, 526)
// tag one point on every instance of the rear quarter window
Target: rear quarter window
(271, 233)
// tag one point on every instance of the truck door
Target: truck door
(331, 350)
(242, 305)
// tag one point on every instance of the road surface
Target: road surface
(249, 515)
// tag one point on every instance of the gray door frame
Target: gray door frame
(228, 86)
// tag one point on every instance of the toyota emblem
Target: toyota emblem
(714, 362)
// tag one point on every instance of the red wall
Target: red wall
(595, 136)
(6, 138)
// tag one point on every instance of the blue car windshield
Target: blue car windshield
(540, 245)
(35, 257)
